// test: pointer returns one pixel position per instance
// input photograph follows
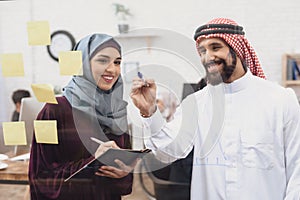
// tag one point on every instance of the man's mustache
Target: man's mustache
(214, 62)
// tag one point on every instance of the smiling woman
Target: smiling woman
(92, 106)
(105, 67)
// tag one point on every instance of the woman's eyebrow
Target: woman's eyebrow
(106, 56)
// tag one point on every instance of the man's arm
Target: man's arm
(169, 141)
(175, 139)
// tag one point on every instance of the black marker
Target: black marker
(140, 75)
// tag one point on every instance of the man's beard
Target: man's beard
(227, 70)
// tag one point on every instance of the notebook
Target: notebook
(127, 156)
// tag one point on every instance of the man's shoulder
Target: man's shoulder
(273, 91)
(268, 85)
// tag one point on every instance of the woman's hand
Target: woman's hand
(113, 172)
(104, 147)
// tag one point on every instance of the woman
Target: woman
(92, 106)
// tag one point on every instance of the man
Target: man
(244, 129)
(17, 97)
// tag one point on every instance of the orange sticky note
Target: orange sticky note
(38, 33)
(14, 133)
(12, 64)
(45, 131)
(70, 62)
(44, 93)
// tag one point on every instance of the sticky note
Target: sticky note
(38, 33)
(70, 62)
(12, 64)
(45, 131)
(14, 133)
(44, 93)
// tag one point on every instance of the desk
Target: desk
(15, 173)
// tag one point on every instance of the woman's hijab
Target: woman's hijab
(108, 107)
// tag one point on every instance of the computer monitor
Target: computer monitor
(189, 88)
(4, 148)
(29, 110)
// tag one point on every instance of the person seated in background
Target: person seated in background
(167, 103)
(17, 96)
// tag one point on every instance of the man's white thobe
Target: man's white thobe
(246, 140)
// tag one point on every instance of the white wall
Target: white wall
(272, 27)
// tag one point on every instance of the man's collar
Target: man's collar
(238, 84)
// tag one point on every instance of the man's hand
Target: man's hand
(143, 95)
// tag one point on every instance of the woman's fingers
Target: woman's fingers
(104, 147)
(111, 144)
(123, 166)
(111, 172)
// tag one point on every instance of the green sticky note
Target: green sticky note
(70, 62)
(44, 93)
(38, 33)
(45, 131)
(14, 133)
(12, 64)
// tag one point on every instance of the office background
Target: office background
(272, 27)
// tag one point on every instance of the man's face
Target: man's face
(218, 59)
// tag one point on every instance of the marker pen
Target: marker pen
(140, 75)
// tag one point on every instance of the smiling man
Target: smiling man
(255, 154)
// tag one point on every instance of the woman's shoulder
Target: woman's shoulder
(61, 103)
(51, 108)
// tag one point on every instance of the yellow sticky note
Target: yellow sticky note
(14, 133)
(45, 131)
(44, 93)
(70, 62)
(38, 33)
(12, 64)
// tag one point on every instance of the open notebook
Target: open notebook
(127, 156)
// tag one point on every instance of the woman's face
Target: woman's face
(105, 66)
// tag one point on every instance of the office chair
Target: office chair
(164, 189)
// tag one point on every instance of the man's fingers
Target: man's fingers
(150, 81)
